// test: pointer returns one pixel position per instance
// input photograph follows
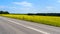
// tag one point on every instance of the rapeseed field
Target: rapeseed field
(48, 20)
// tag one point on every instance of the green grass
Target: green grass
(49, 20)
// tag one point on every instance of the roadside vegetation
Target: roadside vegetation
(49, 20)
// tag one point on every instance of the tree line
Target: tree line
(45, 14)
(4, 12)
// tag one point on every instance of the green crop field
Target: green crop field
(49, 20)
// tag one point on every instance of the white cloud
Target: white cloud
(27, 7)
(2, 6)
(28, 10)
(48, 9)
(58, 1)
(24, 3)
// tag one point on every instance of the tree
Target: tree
(1, 12)
(4, 12)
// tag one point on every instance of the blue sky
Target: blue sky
(30, 6)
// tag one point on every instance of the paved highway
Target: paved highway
(14, 26)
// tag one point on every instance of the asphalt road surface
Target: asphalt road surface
(14, 26)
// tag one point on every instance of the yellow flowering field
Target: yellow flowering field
(49, 20)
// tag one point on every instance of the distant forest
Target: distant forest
(42, 14)
(4, 12)
(45, 14)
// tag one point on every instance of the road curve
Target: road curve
(14, 26)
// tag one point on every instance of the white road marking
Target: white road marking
(29, 27)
